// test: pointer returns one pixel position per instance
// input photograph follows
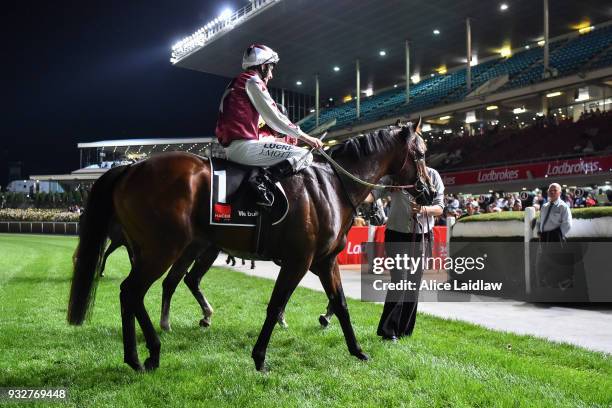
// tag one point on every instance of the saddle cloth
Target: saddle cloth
(232, 201)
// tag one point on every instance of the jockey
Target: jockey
(270, 135)
(245, 101)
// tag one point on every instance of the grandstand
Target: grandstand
(412, 61)
(569, 55)
(97, 157)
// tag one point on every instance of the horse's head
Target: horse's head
(413, 170)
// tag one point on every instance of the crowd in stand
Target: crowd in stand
(460, 205)
(554, 135)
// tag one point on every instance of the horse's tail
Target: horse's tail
(93, 231)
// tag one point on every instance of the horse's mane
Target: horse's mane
(378, 141)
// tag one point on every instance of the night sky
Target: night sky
(80, 71)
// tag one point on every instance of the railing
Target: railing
(220, 24)
(40, 227)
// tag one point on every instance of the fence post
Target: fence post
(450, 222)
(530, 215)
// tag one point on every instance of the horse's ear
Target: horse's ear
(417, 127)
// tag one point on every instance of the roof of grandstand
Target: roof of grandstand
(145, 142)
(580, 52)
(314, 37)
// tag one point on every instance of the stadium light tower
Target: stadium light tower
(468, 41)
(317, 100)
(407, 51)
(545, 37)
(358, 86)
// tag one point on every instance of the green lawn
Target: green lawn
(445, 363)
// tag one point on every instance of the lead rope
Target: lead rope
(423, 236)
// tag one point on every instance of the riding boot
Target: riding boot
(262, 181)
(280, 171)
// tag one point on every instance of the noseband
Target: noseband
(423, 190)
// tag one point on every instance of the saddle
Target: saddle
(232, 200)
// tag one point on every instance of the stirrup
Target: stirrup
(265, 199)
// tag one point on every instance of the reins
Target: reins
(357, 179)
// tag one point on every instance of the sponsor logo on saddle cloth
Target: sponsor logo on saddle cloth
(222, 212)
(232, 202)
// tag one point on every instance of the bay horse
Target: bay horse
(162, 204)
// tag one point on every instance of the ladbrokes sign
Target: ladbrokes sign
(529, 171)
(497, 175)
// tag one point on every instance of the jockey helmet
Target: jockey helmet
(258, 54)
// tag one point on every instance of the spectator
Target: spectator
(590, 201)
(472, 209)
(555, 217)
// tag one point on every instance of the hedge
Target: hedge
(34, 215)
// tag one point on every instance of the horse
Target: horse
(162, 204)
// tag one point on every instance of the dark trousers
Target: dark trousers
(399, 313)
(551, 236)
(555, 263)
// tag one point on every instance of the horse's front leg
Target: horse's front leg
(193, 278)
(289, 277)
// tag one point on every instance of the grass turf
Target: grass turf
(444, 364)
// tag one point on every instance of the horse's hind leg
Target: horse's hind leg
(330, 279)
(178, 270)
(195, 275)
(133, 289)
(111, 248)
(130, 354)
(288, 279)
(325, 318)
(281, 320)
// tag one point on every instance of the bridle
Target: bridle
(418, 186)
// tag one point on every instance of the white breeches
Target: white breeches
(263, 153)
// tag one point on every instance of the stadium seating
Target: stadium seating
(531, 143)
(567, 56)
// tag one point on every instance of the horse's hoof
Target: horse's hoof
(323, 321)
(102, 275)
(261, 367)
(205, 322)
(260, 362)
(361, 356)
(136, 366)
(151, 364)
(165, 326)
